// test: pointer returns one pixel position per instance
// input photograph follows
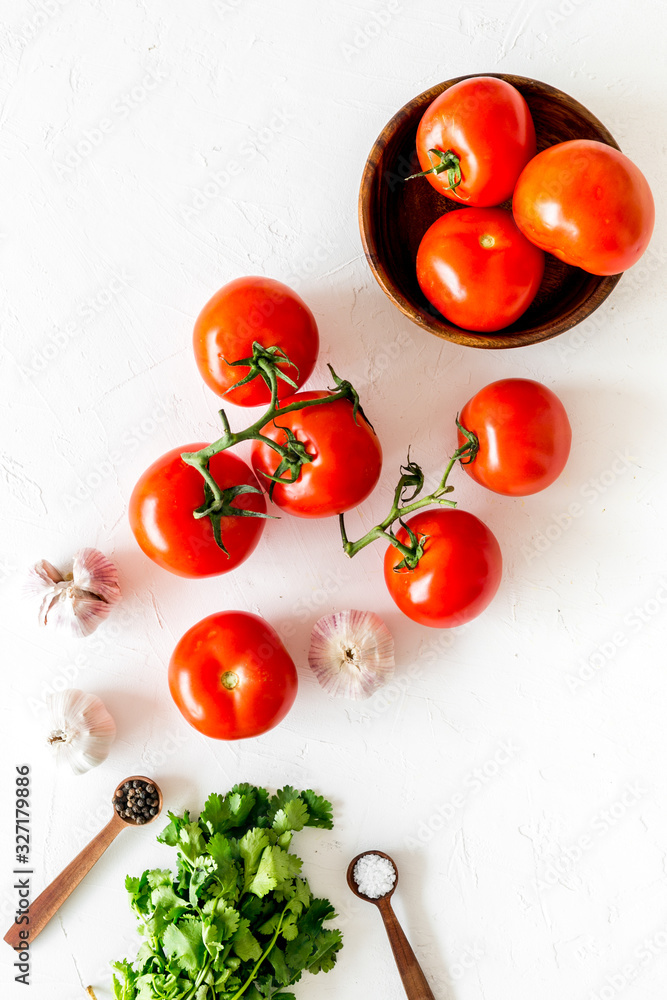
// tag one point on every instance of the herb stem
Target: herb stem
(261, 958)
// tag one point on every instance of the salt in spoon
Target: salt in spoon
(49, 901)
(414, 980)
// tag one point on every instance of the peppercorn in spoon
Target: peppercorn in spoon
(136, 800)
(373, 877)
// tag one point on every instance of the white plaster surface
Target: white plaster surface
(525, 807)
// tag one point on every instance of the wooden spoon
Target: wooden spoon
(51, 899)
(414, 980)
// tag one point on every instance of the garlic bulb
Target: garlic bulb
(80, 600)
(82, 730)
(351, 653)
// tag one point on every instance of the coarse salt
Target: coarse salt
(374, 875)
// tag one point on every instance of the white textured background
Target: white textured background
(107, 255)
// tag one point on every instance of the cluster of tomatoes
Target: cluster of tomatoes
(345, 457)
(230, 674)
(582, 201)
(522, 439)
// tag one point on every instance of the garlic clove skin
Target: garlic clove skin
(80, 601)
(47, 573)
(92, 571)
(82, 730)
(351, 653)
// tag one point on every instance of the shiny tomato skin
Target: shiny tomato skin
(458, 575)
(254, 309)
(524, 436)
(231, 677)
(587, 204)
(161, 507)
(478, 269)
(346, 463)
(487, 123)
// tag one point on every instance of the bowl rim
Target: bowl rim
(447, 330)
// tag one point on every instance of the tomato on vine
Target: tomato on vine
(165, 503)
(336, 461)
(457, 574)
(244, 312)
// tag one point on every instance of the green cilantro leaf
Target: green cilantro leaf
(236, 918)
(170, 833)
(191, 841)
(184, 943)
(292, 816)
(327, 944)
(251, 846)
(320, 813)
(245, 944)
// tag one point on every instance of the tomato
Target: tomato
(231, 677)
(487, 124)
(161, 515)
(247, 310)
(586, 203)
(524, 436)
(346, 457)
(478, 269)
(458, 574)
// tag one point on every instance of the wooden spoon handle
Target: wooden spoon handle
(51, 899)
(414, 980)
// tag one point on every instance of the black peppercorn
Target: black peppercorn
(137, 801)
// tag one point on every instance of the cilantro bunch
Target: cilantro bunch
(236, 920)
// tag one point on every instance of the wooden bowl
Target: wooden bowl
(394, 215)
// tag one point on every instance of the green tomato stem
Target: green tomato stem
(447, 160)
(412, 477)
(200, 459)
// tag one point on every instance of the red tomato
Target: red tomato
(458, 574)
(487, 124)
(524, 436)
(231, 677)
(478, 269)
(161, 515)
(346, 458)
(586, 203)
(247, 310)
